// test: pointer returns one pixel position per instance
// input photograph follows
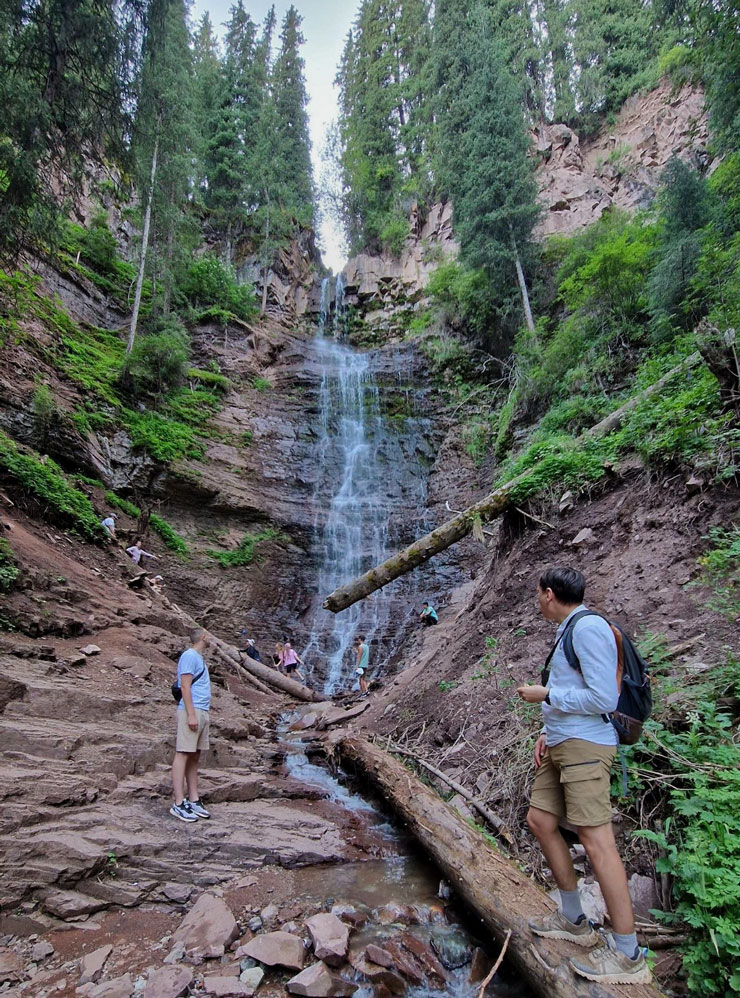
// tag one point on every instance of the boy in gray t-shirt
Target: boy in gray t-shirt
(193, 725)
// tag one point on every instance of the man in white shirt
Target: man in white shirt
(573, 757)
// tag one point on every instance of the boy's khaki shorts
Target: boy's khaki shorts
(573, 782)
(192, 741)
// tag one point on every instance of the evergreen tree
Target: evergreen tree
(64, 83)
(208, 97)
(484, 155)
(163, 144)
(523, 51)
(291, 118)
(557, 20)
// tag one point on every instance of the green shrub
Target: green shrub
(192, 406)
(98, 245)
(123, 504)
(8, 567)
(261, 384)
(246, 553)
(159, 359)
(165, 439)
(209, 379)
(171, 538)
(394, 234)
(47, 483)
(210, 284)
(463, 294)
(246, 438)
(45, 411)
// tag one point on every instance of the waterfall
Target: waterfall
(351, 517)
(324, 305)
(340, 309)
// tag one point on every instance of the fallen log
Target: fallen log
(491, 885)
(270, 677)
(492, 506)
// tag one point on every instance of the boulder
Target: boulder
(169, 982)
(118, 987)
(91, 966)
(227, 987)
(330, 937)
(71, 904)
(644, 895)
(252, 977)
(375, 954)
(90, 650)
(318, 981)
(277, 949)
(41, 950)
(585, 536)
(208, 928)
(11, 966)
(269, 915)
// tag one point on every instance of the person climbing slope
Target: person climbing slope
(572, 758)
(109, 525)
(428, 615)
(136, 553)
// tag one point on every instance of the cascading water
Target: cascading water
(352, 533)
(324, 305)
(340, 309)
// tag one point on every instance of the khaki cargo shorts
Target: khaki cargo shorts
(192, 741)
(573, 782)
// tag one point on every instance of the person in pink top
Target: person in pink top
(290, 661)
(136, 553)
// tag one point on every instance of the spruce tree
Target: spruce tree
(163, 146)
(208, 97)
(291, 100)
(484, 158)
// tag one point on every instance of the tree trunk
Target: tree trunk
(167, 297)
(493, 886)
(263, 307)
(492, 506)
(523, 287)
(144, 245)
(271, 677)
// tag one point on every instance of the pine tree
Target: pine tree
(556, 15)
(484, 154)
(163, 143)
(291, 100)
(64, 80)
(208, 96)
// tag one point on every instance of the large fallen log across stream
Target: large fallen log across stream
(483, 878)
(492, 506)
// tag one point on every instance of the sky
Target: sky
(325, 27)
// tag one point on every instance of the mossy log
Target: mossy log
(489, 508)
(491, 885)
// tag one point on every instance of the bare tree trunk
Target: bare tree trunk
(492, 885)
(263, 307)
(522, 287)
(168, 259)
(492, 506)
(144, 246)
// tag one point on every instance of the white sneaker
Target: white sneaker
(196, 807)
(183, 812)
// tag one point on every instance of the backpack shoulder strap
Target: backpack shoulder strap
(568, 649)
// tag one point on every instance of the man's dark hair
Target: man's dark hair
(567, 584)
(360, 637)
(425, 603)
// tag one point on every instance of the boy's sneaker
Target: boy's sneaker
(608, 965)
(183, 811)
(557, 926)
(196, 806)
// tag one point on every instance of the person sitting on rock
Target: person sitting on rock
(363, 660)
(157, 584)
(109, 525)
(136, 553)
(291, 661)
(428, 615)
(192, 727)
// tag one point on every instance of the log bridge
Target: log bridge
(491, 885)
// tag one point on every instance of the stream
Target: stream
(397, 884)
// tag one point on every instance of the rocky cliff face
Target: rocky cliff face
(578, 179)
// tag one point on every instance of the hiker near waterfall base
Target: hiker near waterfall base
(192, 728)
(290, 660)
(136, 552)
(362, 661)
(573, 757)
(428, 615)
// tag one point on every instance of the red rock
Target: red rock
(330, 937)
(11, 966)
(277, 949)
(377, 955)
(118, 987)
(208, 928)
(169, 982)
(91, 966)
(227, 987)
(318, 981)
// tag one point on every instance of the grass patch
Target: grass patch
(261, 384)
(49, 486)
(123, 504)
(166, 440)
(246, 553)
(172, 540)
(8, 567)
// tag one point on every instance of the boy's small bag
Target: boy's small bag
(635, 702)
(177, 692)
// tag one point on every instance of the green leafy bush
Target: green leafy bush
(8, 567)
(49, 486)
(159, 359)
(123, 504)
(211, 284)
(246, 553)
(98, 245)
(169, 535)
(209, 379)
(45, 411)
(165, 439)
(261, 384)
(394, 234)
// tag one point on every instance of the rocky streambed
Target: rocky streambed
(325, 898)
